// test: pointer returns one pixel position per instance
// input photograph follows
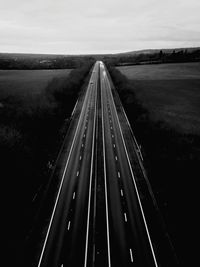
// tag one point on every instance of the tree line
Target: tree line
(162, 56)
(31, 61)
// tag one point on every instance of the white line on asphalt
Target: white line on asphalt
(90, 184)
(74, 108)
(113, 145)
(105, 183)
(77, 174)
(118, 173)
(112, 136)
(82, 145)
(74, 194)
(116, 158)
(62, 179)
(68, 226)
(80, 158)
(121, 192)
(133, 178)
(125, 217)
(131, 254)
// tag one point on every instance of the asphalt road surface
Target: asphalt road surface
(97, 218)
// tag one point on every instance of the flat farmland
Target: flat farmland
(171, 92)
(27, 82)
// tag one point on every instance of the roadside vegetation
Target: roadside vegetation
(31, 133)
(171, 158)
(154, 57)
(45, 61)
(11, 61)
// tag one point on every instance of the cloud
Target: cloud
(97, 26)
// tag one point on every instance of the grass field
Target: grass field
(27, 82)
(171, 92)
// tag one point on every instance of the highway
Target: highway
(68, 223)
(97, 218)
(130, 241)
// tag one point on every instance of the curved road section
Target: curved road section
(97, 218)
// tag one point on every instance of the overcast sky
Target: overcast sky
(97, 26)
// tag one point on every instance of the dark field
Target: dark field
(27, 82)
(171, 92)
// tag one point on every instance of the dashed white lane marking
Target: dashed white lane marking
(121, 192)
(131, 254)
(113, 145)
(80, 158)
(82, 145)
(68, 226)
(112, 136)
(125, 217)
(84, 135)
(77, 174)
(118, 173)
(111, 127)
(74, 194)
(116, 158)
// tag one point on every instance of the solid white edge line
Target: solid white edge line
(133, 178)
(62, 179)
(105, 181)
(74, 108)
(90, 185)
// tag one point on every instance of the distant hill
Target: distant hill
(53, 61)
(153, 51)
(131, 53)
